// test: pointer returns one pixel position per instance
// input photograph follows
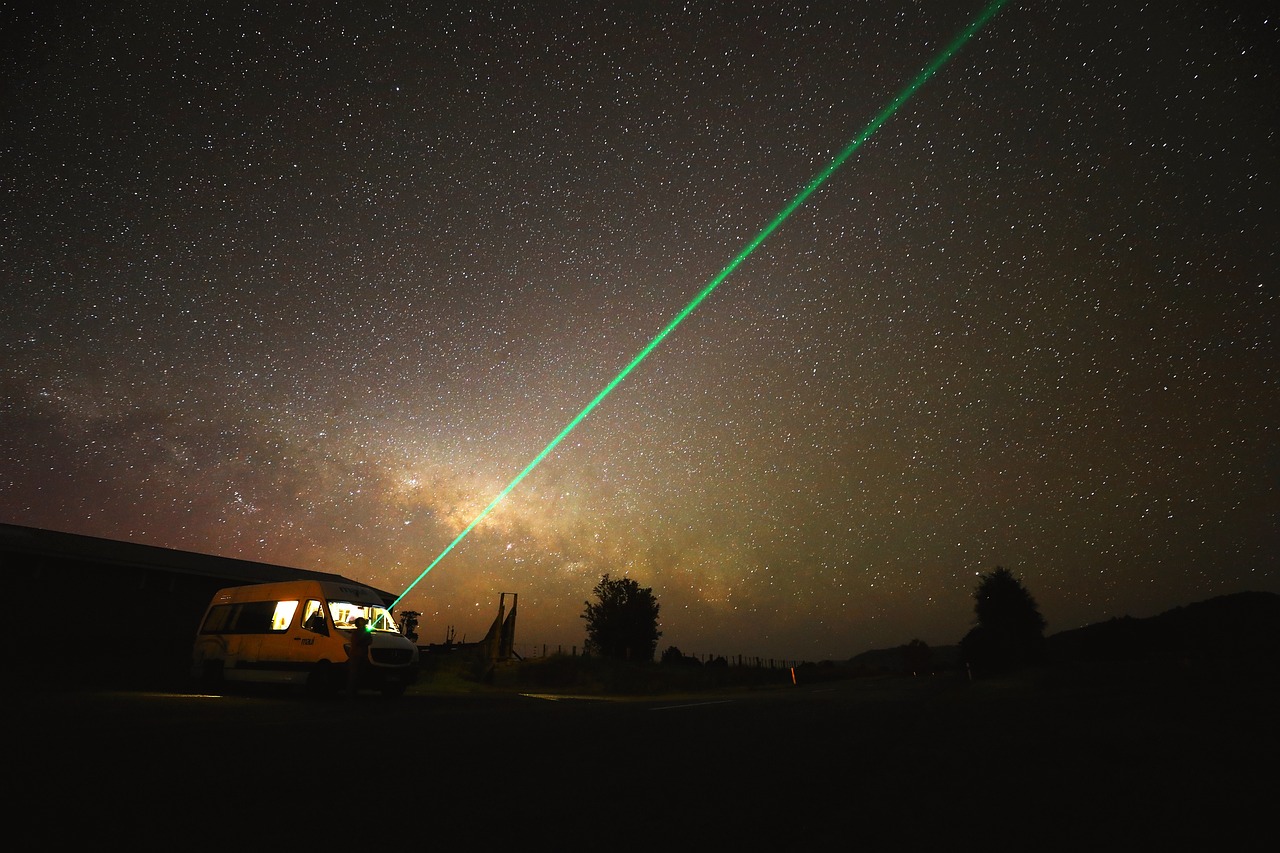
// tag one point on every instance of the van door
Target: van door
(307, 638)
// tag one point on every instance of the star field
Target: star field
(310, 286)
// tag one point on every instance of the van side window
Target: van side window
(253, 617)
(313, 618)
(218, 620)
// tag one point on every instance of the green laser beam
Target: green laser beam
(920, 79)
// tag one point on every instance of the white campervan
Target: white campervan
(299, 632)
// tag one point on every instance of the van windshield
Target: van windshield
(345, 614)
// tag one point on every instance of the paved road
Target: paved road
(888, 765)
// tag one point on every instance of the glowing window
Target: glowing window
(283, 615)
(345, 613)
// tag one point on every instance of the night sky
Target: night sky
(310, 284)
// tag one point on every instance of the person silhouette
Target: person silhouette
(358, 654)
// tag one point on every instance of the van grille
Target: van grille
(391, 657)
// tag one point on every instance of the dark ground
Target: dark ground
(1068, 758)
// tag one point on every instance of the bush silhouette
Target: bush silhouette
(917, 657)
(674, 657)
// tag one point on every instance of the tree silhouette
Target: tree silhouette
(623, 621)
(1008, 629)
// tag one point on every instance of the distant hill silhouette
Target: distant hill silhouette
(1242, 627)
(897, 660)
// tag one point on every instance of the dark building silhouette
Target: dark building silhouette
(104, 613)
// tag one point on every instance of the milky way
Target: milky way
(311, 285)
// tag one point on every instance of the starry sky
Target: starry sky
(309, 284)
